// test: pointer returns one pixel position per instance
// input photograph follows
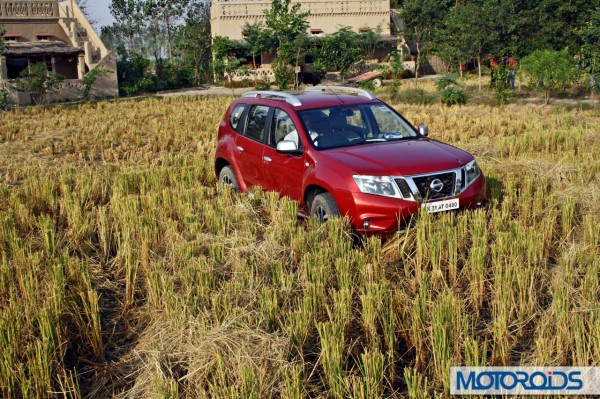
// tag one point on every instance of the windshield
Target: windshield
(348, 125)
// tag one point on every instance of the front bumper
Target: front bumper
(384, 215)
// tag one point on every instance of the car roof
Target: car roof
(312, 99)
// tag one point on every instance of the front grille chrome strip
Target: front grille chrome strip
(416, 194)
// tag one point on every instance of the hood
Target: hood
(410, 157)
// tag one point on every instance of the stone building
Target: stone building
(59, 35)
(227, 17)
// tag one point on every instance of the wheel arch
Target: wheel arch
(311, 192)
(220, 163)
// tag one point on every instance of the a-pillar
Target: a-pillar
(3, 69)
(81, 66)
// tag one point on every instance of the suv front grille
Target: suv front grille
(424, 183)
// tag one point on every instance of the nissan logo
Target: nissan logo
(436, 185)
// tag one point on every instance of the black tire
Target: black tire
(323, 207)
(227, 177)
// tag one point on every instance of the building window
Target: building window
(11, 38)
(316, 31)
(43, 37)
(363, 29)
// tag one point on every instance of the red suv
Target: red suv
(341, 151)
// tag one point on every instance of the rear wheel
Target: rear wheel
(377, 82)
(323, 207)
(227, 177)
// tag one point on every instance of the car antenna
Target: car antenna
(339, 98)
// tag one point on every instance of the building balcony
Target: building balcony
(28, 9)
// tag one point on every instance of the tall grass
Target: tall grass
(126, 272)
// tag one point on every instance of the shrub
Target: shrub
(284, 74)
(549, 70)
(3, 96)
(453, 95)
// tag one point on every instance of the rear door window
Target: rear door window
(256, 124)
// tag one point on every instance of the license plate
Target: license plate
(440, 206)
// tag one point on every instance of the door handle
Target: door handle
(240, 148)
(267, 159)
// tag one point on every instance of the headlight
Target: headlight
(472, 172)
(378, 185)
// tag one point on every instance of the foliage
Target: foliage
(446, 81)
(3, 96)
(193, 42)
(370, 41)
(258, 39)
(287, 25)
(453, 95)
(422, 18)
(2, 31)
(38, 80)
(500, 80)
(451, 89)
(393, 66)
(591, 51)
(339, 51)
(284, 73)
(133, 75)
(89, 80)
(367, 85)
(549, 70)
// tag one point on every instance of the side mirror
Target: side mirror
(424, 130)
(287, 146)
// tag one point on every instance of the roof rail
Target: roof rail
(289, 97)
(353, 90)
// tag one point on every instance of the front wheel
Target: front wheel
(227, 177)
(323, 207)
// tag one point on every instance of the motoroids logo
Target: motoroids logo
(525, 380)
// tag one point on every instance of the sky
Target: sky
(100, 12)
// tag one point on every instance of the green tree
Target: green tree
(421, 19)
(287, 25)
(128, 17)
(370, 41)
(193, 41)
(258, 39)
(162, 16)
(591, 51)
(549, 70)
(469, 32)
(339, 51)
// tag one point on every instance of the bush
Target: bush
(262, 85)
(133, 75)
(284, 74)
(549, 70)
(3, 96)
(452, 90)
(453, 95)
(367, 85)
